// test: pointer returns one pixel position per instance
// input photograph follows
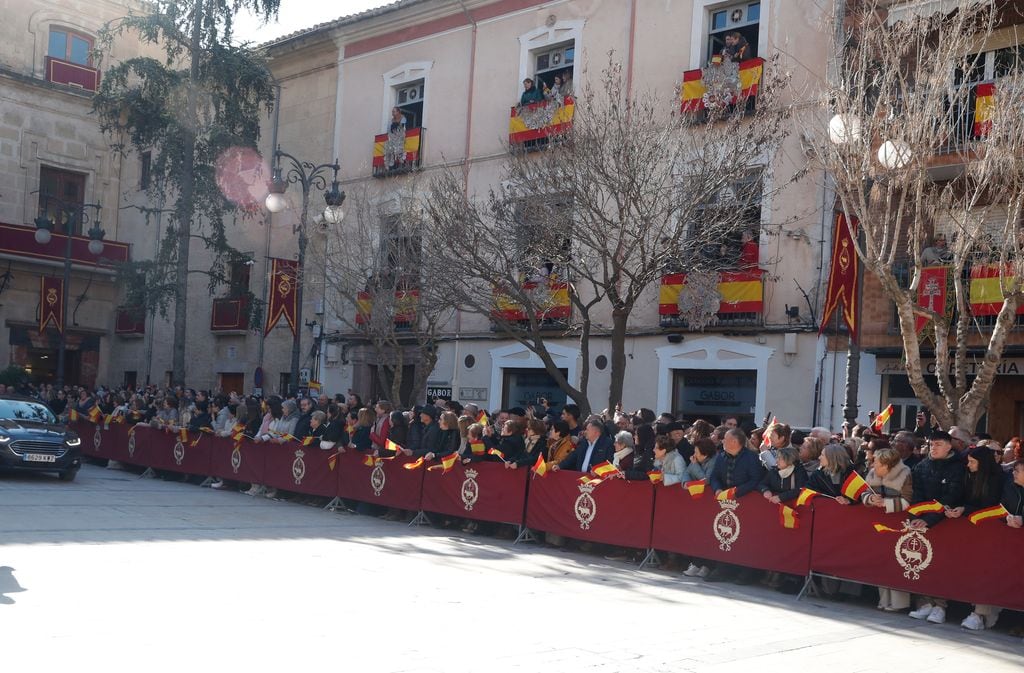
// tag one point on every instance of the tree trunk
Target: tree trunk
(186, 205)
(620, 316)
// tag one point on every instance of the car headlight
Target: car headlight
(73, 441)
(4, 439)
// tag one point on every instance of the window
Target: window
(131, 379)
(989, 65)
(552, 62)
(145, 169)
(68, 45)
(725, 225)
(402, 254)
(238, 277)
(542, 239)
(733, 31)
(409, 99)
(69, 188)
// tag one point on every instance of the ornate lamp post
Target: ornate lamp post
(69, 214)
(308, 177)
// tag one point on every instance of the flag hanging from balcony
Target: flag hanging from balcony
(283, 297)
(842, 278)
(51, 303)
(933, 290)
(694, 91)
(396, 150)
(984, 103)
(986, 293)
(540, 120)
(740, 292)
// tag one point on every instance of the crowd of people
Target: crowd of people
(963, 471)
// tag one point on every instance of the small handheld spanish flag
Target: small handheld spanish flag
(392, 446)
(806, 495)
(587, 480)
(73, 415)
(605, 469)
(370, 461)
(656, 477)
(727, 494)
(306, 441)
(477, 448)
(332, 460)
(696, 488)
(107, 419)
(854, 486)
(882, 528)
(195, 441)
(766, 441)
(447, 463)
(926, 507)
(996, 512)
(95, 414)
(882, 418)
(183, 434)
(414, 464)
(495, 452)
(482, 419)
(540, 468)
(788, 517)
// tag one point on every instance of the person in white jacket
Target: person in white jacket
(668, 460)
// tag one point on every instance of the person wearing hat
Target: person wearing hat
(677, 433)
(961, 440)
(938, 477)
(430, 440)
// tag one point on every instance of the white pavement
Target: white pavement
(114, 573)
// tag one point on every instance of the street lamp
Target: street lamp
(309, 177)
(69, 213)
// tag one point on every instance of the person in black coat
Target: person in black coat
(414, 434)
(450, 438)
(836, 468)
(983, 482)
(939, 477)
(594, 448)
(643, 453)
(302, 428)
(334, 433)
(737, 467)
(430, 440)
(201, 419)
(1013, 496)
(783, 482)
(511, 444)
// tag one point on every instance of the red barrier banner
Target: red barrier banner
(300, 469)
(483, 491)
(243, 462)
(166, 450)
(614, 512)
(384, 483)
(744, 532)
(952, 560)
(101, 440)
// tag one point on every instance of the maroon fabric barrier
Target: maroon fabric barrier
(97, 441)
(616, 512)
(955, 559)
(484, 491)
(245, 465)
(745, 532)
(301, 469)
(386, 483)
(164, 450)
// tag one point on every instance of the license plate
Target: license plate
(40, 458)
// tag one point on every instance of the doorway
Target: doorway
(522, 387)
(231, 382)
(712, 395)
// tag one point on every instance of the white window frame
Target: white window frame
(540, 39)
(398, 77)
(700, 27)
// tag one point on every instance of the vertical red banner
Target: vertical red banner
(932, 293)
(842, 277)
(51, 303)
(283, 295)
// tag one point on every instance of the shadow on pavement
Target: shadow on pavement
(8, 585)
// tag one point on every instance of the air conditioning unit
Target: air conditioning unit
(410, 94)
(333, 352)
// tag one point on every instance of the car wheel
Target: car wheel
(68, 475)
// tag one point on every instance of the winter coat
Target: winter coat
(696, 471)
(560, 450)
(941, 480)
(430, 441)
(450, 440)
(1013, 497)
(787, 488)
(742, 471)
(825, 482)
(642, 462)
(361, 438)
(896, 487)
(991, 490)
(672, 467)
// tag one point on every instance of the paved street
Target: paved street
(118, 573)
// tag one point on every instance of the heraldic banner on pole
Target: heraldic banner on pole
(283, 296)
(842, 277)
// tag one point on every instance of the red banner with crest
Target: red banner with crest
(933, 294)
(283, 297)
(842, 277)
(51, 303)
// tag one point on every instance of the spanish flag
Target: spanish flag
(196, 440)
(540, 468)
(72, 415)
(332, 460)
(370, 461)
(926, 507)
(806, 495)
(239, 434)
(183, 434)
(984, 104)
(477, 448)
(996, 512)
(693, 89)
(727, 494)
(447, 463)
(605, 469)
(854, 486)
(585, 480)
(392, 446)
(495, 452)
(107, 419)
(766, 441)
(482, 419)
(656, 477)
(882, 418)
(95, 414)
(696, 488)
(414, 464)
(788, 517)
(881, 528)
(411, 148)
(306, 441)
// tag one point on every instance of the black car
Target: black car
(31, 439)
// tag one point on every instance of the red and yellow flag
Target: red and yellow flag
(196, 440)
(414, 464)
(605, 469)
(854, 486)
(590, 480)
(51, 303)
(696, 488)
(842, 277)
(183, 435)
(73, 415)
(926, 507)
(540, 468)
(766, 441)
(806, 495)
(656, 477)
(283, 299)
(788, 517)
(882, 418)
(392, 446)
(495, 452)
(332, 460)
(447, 463)
(370, 461)
(482, 419)
(984, 104)
(306, 441)
(727, 494)
(477, 448)
(95, 414)
(996, 512)
(881, 528)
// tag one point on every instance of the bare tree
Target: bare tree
(374, 284)
(919, 145)
(634, 190)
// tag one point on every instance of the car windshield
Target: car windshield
(20, 410)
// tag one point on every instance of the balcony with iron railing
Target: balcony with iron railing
(230, 315)
(19, 240)
(130, 321)
(397, 152)
(721, 85)
(532, 127)
(405, 307)
(739, 299)
(549, 297)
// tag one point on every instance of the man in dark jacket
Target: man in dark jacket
(594, 448)
(738, 467)
(1013, 496)
(430, 441)
(677, 433)
(302, 425)
(939, 477)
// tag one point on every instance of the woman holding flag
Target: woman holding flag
(832, 475)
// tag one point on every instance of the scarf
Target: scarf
(619, 455)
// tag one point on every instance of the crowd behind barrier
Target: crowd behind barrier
(947, 561)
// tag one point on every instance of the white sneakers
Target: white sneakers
(256, 489)
(923, 612)
(270, 493)
(938, 615)
(697, 571)
(975, 622)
